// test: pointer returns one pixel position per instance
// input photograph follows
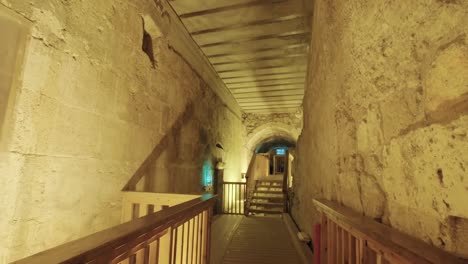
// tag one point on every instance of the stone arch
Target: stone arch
(271, 131)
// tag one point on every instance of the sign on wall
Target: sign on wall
(281, 151)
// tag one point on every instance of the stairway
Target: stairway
(267, 198)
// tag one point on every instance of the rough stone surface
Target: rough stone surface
(385, 117)
(89, 110)
(259, 127)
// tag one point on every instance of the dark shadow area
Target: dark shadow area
(159, 148)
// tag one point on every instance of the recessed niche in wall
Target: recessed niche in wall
(150, 31)
(14, 33)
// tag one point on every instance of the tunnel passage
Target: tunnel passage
(275, 149)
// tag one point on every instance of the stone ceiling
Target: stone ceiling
(257, 47)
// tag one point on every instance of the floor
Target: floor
(251, 240)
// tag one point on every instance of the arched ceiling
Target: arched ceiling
(274, 142)
(257, 47)
(271, 132)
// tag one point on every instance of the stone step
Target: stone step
(269, 183)
(276, 181)
(267, 204)
(275, 188)
(266, 211)
(268, 192)
(278, 199)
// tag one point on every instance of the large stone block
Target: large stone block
(388, 86)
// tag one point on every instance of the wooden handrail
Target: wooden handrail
(139, 204)
(348, 237)
(127, 240)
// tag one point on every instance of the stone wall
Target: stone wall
(89, 109)
(385, 116)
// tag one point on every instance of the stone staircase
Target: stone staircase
(267, 198)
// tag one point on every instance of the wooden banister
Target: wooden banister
(174, 234)
(139, 204)
(349, 237)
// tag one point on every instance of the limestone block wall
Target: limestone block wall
(385, 116)
(89, 108)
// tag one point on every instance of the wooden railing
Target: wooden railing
(348, 237)
(178, 234)
(139, 204)
(234, 195)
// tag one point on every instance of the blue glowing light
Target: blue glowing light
(207, 173)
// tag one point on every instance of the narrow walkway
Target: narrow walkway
(252, 240)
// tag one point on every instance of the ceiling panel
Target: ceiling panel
(259, 48)
(242, 16)
(184, 7)
(264, 77)
(269, 93)
(267, 99)
(261, 64)
(282, 103)
(259, 55)
(282, 87)
(285, 41)
(276, 28)
(237, 86)
(267, 71)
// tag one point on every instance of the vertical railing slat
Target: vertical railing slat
(171, 250)
(324, 240)
(182, 240)
(343, 246)
(338, 243)
(234, 197)
(158, 247)
(208, 234)
(230, 198)
(379, 258)
(200, 255)
(223, 202)
(197, 241)
(187, 241)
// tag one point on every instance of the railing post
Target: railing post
(285, 183)
(208, 235)
(323, 240)
(219, 190)
(247, 198)
(317, 243)
(285, 173)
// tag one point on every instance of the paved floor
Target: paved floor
(251, 240)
